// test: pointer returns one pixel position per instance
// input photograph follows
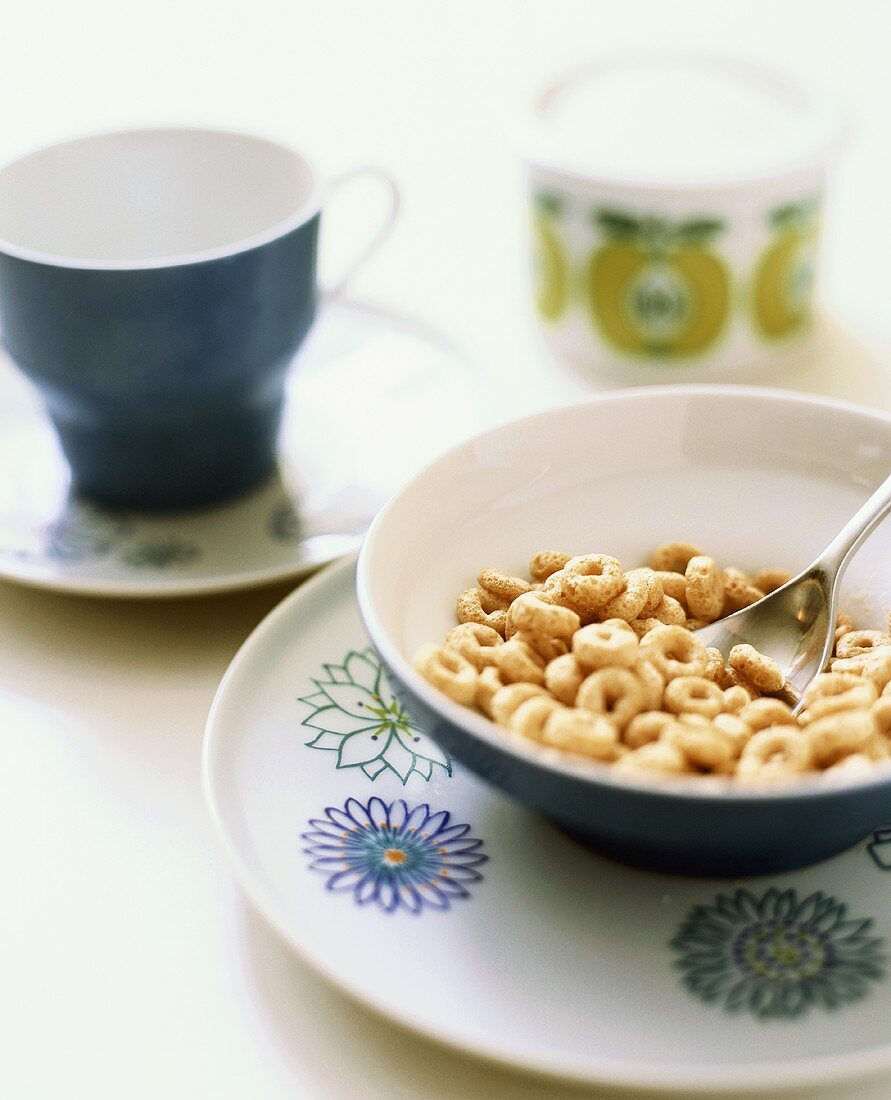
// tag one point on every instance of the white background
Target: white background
(129, 964)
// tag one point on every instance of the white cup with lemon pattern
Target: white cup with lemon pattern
(673, 241)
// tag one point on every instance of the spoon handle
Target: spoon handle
(838, 553)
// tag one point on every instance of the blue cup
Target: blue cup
(155, 286)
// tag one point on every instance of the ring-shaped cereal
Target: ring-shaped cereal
(739, 592)
(506, 700)
(860, 697)
(839, 735)
(874, 666)
(858, 643)
(881, 712)
(703, 745)
(774, 753)
(655, 594)
(652, 682)
(530, 716)
(448, 671)
(549, 649)
(601, 644)
(693, 695)
(843, 625)
(705, 588)
(630, 604)
(769, 580)
(534, 615)
(736, 698)
(518, 663)
(502, 585)
(580, 732)
(735, 728)
(756, 668)
(475, 642)
(488, 682)
(470, 610)
(615, 692)
(674, 585)
(714, 667)
(674, 651)
(563, 678)
(645, 727)
(670, 612)
(547, 562)
(672, 557)
(644, 626)
(592, 580)
(655, 756)
(759, 714)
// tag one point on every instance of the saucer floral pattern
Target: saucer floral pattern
(777, 956)
(355, 714)
(394, 857)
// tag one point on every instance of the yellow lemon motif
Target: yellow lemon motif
(549, 259)
(654, 288)
(784, 277)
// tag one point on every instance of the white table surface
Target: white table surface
(130, 965)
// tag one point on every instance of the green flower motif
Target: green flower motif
(161, 554)
(356, 715)
(777, 956)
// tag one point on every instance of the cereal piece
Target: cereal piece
(644, 626)
(693, 695)
(475, 642)
(609, 643)
(583, 733)
(547, 648)
(877, 747)
(736, 698)
(703, 744)
(628, 605)
(647, 726)
(838, 735)
(657, 756)
(857, 643)
(547, 562)
(735, 728)
(739, 592)
(763, 713)
(470, 610)
(670, 612)
(756, 668)
(489, 602)
(615, 692)
(655, 594)
(674, 651)
(874, 666)
(674, 585)
(563, 678)
(506, 700)
(860, 697)
(652, 682)
(592, 580)
(843, 624)
(769, 580)
(448, 671)
(696, 624)
(705, 588)
(673, 557)
(531, 613)
(530, 716)
(518, 663)
(881, 712)
(502, 585)
(488, 682)
(714, 667)
(775, 753)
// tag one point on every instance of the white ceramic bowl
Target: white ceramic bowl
(756, 477)
(676, 240)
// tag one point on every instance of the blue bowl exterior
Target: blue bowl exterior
(165, 384)
(671, 833)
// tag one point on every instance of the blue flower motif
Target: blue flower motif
(82, 533)
(355, 714)
(879, 848)
(164, 553)
(777, 956)
(394, 857)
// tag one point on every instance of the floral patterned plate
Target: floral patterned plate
(450, 909)
(372, 397)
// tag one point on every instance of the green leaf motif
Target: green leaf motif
(354, 713)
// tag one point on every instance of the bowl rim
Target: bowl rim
(551, 760)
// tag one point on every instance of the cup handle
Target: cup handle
(339, 286)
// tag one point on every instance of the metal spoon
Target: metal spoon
(795, 625)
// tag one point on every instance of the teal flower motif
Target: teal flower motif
(777, 956)
(161, 553)
(355, 714)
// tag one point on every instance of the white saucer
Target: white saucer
(372, 397)
(448, 908)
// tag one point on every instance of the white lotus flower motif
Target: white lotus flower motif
(355, 714)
